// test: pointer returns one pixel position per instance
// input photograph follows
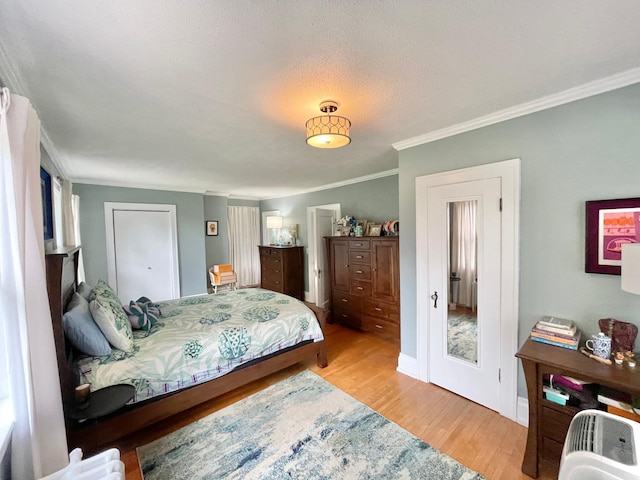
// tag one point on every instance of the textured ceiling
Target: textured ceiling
(213, 95)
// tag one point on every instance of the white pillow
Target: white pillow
(113, 322)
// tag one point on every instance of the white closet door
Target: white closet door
(144, 255)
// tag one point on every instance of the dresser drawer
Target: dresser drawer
(551, 450)
(360, 272)
(272, 276)
(381, 328)
(360, 244)
(344, 301)
(386, 311)
(357, 256)
(271, 252)
(271, 284)
(346, 316)
(271, 262)
(554, 425)
(361, 288)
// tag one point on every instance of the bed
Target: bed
(273, 346)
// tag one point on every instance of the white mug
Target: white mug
(600, 345)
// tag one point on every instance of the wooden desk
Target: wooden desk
(548, 421)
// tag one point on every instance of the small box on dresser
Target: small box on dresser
(364, 277)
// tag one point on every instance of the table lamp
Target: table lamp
(274, 224)
(631, 268)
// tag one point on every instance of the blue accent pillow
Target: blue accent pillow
(82, 331)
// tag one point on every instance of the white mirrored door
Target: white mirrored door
(464, 288)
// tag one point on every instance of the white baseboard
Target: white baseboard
(522, 412)
(407, 365)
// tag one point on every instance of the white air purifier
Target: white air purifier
(601, 446)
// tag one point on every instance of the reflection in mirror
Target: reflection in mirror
(462, 325)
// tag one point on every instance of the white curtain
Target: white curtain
(39, 439)
(68, 233)
(464, 251)
(244, 238)
(75, 210)
(71, 221)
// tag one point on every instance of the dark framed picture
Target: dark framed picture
(610, 224)
(47, 204)
(212, 228)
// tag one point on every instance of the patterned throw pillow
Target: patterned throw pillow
(143, 314)
(102, 289)
(112, 320)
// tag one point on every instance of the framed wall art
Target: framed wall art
(212, 228)
(47, 204)
(609, 225)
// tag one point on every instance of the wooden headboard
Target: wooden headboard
(62, 281)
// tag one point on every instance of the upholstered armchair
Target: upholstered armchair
(223, 275)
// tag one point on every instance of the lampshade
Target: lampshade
(328, 131)
(274, 222)
(631, 267)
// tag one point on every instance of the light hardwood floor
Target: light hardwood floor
(365, 368)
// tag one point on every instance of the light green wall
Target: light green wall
(217, 248)
(376, 200)
(585, 150)
(190, 220)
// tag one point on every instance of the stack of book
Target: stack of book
(556, 331)
(617, 402)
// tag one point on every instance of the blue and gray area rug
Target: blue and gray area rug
(462, 336)
(300, 428)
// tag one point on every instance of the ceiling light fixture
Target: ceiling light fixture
(328, 131)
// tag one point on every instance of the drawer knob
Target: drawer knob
(360, 288)
(359, 271)
(378, 326)
(378, 309)
(358, 244)
(345, 315)
(345, 300)
(358, 256)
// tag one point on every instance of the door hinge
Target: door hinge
(500, 203)
(499, 375)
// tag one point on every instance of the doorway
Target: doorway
(142, 250)
(468, 290)
(321, 220)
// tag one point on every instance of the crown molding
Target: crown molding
(243, 197)
(607, 84)
(373, 176)
(93, 181)
(215, 194)
(143, 186)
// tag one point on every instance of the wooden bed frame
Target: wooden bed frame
(62, 280)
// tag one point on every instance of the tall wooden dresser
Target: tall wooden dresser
(282, 270)
(365, 284)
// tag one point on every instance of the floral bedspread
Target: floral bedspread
(200, 338)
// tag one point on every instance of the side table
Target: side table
(103, 402)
